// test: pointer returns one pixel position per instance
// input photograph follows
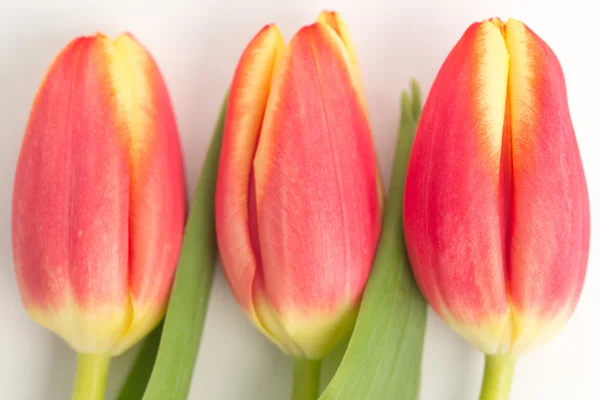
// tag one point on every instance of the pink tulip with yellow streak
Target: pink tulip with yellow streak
(496, 210)
(99, 197)
(298, 199)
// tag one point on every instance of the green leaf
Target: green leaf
(184, 320)
(135, 384)
(383, 359)
(332, 362)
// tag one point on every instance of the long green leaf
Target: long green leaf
(184, 321)
(383, 359)
(135, 384)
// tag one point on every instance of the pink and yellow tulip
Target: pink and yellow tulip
(496, 208)
(298, 200)
(99, 197)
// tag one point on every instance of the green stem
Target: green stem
(306, 379)
(497, 377)
(90, 378)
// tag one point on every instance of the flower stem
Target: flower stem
(306, 379)
(497, 377)
(90, 379)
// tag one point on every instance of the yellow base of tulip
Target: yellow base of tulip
(300, 336)
(86, 330)
(515, 332)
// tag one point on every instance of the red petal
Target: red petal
(551, 220)
(454, 219)
(316, 182)
(245, 110)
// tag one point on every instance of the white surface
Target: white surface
(197, 45)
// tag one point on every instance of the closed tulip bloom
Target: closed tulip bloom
(98, 202)
(496, 208)
(298, 196)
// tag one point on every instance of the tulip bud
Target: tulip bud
(496, 210)
(99, 199)
(298, 196)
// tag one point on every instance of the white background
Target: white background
(196, 45)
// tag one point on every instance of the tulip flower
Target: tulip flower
(99, 202)
(298, 198)
(496, 209)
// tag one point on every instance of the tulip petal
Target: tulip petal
(316, 196)
(550, 238)
(454, 215)
(71, 202)
(245, 110)
(157, 188)
(334, 21)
